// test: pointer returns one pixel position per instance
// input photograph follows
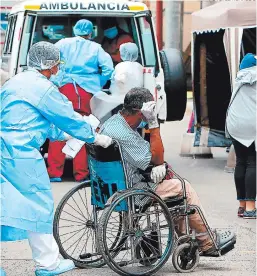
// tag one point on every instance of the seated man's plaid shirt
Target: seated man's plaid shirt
(136, 151)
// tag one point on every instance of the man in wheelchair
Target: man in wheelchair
(138, 154)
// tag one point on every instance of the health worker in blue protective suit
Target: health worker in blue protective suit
(32, 109)
(86, 63)
(86, 70)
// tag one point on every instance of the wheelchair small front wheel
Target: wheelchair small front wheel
(185, 259)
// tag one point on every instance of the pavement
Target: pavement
(217, 193)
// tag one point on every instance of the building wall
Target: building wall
(189, 8)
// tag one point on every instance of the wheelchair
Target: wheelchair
(104, 221)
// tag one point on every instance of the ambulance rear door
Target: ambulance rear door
(26, 41)
(153, 74)
(11, 45)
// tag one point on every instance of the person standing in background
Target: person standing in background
(78, 80)
(114, 37)
(241, 128)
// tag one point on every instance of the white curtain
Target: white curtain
(232, 44)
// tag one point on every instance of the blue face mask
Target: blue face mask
(57, 78)
(142, 124)
(111, 33)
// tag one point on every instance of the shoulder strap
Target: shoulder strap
(231, 101)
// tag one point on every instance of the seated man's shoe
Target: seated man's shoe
(64, 266)
(55, 179)
(250, 214)
(225, 240)
(2, 272)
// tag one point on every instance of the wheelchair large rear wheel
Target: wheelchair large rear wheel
(75, 226)
(147, 235)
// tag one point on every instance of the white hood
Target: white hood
(247, 75)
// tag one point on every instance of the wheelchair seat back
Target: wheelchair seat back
(106, 174)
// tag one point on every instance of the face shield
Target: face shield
(129, 52)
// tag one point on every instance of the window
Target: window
(52, 29)
(147, 42)
(4, 20)
(10, 34)
(26, 38)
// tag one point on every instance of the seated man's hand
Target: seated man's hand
(158, 173)
(149, 111)
(102, 140)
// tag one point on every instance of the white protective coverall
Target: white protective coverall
(127, 75)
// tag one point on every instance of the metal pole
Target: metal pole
(181, 25)
(174, 24)
(159, 22)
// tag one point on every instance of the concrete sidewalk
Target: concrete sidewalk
(217, 193)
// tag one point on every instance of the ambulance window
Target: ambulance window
(136, 40)
(10, 34)
(147, 42)
(26, 39)
(51, 29)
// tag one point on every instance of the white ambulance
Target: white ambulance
(51, 20)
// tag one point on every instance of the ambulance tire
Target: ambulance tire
(175, 83)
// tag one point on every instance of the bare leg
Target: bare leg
(250, 205)
(242, 203)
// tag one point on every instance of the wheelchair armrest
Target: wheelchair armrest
(147, 173)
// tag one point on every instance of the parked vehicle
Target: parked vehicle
(33, 21)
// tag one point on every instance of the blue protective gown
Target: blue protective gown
(83, 59)
(32, 109)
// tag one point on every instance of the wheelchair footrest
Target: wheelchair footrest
(223, 251)
(227, 249)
